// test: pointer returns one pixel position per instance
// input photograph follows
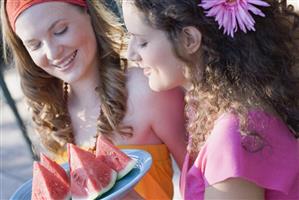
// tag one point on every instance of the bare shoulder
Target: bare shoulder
(138, 87)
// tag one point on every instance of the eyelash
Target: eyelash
(143, 44)
(35, 47)
(61, 32)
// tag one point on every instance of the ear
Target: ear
(191, 38)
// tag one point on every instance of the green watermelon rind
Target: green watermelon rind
(105, 189)
(127, 169)
(107, 149)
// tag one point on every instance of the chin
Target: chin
(154, 87)
(158, 88)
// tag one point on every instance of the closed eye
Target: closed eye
(142, 45)
(62, 31)
(33, 46)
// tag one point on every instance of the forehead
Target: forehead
(41, 15)
(134, 19)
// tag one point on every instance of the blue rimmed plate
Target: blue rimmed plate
(121, 187)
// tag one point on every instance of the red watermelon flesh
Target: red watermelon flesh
(90, 176)
(114, 157)
(46, 185)
(53, 167)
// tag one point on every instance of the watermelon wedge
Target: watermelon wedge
(90, 176)
(53, 167)
(46, 185)
(114, 157)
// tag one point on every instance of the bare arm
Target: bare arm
(235, 188)
(169, 122)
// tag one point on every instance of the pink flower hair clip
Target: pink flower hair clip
(233, 14)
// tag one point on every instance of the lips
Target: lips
(64, 63)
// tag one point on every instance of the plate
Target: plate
(121, 187)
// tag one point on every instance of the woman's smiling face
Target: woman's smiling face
(63, 43)
(152, 51)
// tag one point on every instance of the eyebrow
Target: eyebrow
(50, 28)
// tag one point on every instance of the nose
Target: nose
(132, 54)
(53, 51)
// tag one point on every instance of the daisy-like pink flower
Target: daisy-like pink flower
(234, 14)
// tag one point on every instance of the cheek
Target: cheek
(39, 60)
(154, 58)
(165, 58)
(87, 42)
(75, 38)
(84, 37)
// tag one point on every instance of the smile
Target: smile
(63, 64)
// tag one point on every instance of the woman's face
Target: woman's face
(152, 51)
(60, 39)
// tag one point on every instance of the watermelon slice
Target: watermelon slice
(46, 185)
(114, 157)
(53, 167)
(90, 176)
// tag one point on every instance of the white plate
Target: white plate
(121, 187)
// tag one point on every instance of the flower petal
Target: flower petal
(232, 15)
(214, 11)
(256, 11)
(258, 2)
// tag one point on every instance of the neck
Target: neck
(82, 93)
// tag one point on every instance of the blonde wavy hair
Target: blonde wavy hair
(46, 95)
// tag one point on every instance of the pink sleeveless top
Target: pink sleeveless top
(270, 160)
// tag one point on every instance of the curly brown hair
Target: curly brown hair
(252, 70)
(47, 95)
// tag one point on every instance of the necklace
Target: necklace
(91, 148)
